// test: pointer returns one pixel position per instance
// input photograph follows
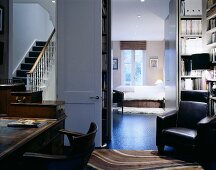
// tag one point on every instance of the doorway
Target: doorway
(132, 22)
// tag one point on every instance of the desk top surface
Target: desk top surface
(12, 138)
(43, 103)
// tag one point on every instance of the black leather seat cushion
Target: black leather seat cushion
(180, 135)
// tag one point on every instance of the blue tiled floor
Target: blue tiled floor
(133, 132)
(138, 132)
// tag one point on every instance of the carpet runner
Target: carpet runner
(133, 159)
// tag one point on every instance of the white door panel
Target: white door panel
(79, 63)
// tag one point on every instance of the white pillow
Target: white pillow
(125, 88)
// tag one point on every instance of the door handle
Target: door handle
(96, 97)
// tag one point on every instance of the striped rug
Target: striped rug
(131, 159)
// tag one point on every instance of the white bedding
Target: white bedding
(142, 92)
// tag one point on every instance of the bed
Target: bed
(142, 96)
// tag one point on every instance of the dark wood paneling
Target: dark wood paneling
(47, 109)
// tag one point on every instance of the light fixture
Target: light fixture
(158, 82)
(142, 0)
(138, 16)
(53, 1)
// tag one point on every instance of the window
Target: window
(133, 67)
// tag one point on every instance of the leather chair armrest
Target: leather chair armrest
(164, 121)
(206, 136)
(40, 156)
(118, 96)
(66, 132)
(208, 121)
(70, 135)
(116, 91)
(169, 118)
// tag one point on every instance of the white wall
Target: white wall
(30, 22)
(48, 5)
(153, 49)
(49, 92)
(171, 59)
(116, 73)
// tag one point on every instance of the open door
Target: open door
(79, 69)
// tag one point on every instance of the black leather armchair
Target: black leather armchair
(179, 128)
(118, 97)
(189, 127)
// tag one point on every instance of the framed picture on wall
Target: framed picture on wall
(153, 62)
(1, 19)
(115, 64)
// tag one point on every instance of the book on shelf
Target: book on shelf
(104, 80)
(191, 45)
(182, 8)
(210, 3)
(104, 99)
(186, 67)
(193, 7)
(191, 84)
(104, 11)
(213, 55)
(28, 123)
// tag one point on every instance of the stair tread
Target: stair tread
(43, 103)
(27, 63)
(22, 70)
(30, 63)
(20, 77)
(25, 92)
(30, 57)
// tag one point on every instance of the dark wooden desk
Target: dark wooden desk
(44, 109)
(15, 141)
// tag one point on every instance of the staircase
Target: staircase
(37, 71)
(21, 74)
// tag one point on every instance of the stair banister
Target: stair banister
(40, 70)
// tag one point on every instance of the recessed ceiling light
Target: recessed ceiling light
(138, 16)
(53, 1)
(142, 0)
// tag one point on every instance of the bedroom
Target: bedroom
(138, 52)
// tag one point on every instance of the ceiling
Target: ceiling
(126, 25)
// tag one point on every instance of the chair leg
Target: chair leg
(122, 104)
(160, 149)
